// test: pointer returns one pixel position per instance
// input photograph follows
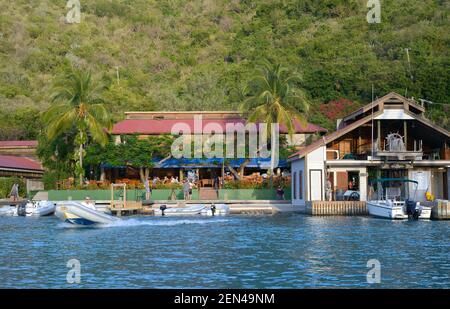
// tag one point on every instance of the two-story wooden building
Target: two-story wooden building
(390, 137)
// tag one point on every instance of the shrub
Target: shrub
(284, 182)
(172, 186)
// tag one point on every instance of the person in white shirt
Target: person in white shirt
(89, 203)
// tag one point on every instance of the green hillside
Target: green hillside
(197, 55)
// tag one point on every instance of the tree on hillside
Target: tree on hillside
(273, 98)
(77, 105)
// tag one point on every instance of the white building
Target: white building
(363, 149)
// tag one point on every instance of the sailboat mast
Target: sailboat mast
(371, 157)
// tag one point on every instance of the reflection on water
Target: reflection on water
(281, 251)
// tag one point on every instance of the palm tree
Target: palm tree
(272, 98)
(77, 105)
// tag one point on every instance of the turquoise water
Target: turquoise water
(280, 251)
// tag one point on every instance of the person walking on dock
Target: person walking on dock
(14, 194)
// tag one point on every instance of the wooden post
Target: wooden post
(112, 196)
(124, 195)
(379, 134)
(405, 131)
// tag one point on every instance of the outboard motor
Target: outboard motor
(22, 210)
(411, 210)
(162, 208)
(213, 209)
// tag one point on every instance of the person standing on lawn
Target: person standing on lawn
(148, 189)
(186, 189)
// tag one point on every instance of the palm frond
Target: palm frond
(272, 97)
(96, 130)
(61, 124)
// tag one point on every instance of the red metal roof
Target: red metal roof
(18, 143)
(16, 162)
(164, 126)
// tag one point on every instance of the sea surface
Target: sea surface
(279, 251)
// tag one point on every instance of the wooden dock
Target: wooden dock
(130, 208)
(440, 210)
(337, 208)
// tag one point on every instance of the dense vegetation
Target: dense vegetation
(198, 54)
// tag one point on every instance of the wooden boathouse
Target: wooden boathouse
(390, 137)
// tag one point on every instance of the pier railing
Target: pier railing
(336, 208)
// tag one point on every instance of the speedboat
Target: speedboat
(391, 205)
(39, 209)
(192, 210)
(216, 210)
(78, 213)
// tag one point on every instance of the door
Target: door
(316, 185)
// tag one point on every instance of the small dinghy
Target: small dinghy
(216, 210)
(191, 210)
(39, 209)
(81, 214)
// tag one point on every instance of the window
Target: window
(300, 185)
(294, 185)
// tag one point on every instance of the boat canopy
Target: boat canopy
(396, 179)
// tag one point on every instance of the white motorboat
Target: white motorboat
(391, 205)
(216, 210)
(82, 214)
(191, 210)
(39, 209)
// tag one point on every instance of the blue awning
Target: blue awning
(261, 163)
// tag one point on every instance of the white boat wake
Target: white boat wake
(160, 222)
(152, 222)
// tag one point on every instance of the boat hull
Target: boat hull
(425, 212)
(78, 214)
(192, 210)
(381, 210)
(40, 209)
(385, 211)
(221, 210)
